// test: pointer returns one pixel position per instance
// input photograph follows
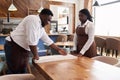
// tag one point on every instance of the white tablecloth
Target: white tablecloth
(54, 58)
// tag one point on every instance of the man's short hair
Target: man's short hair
(46, 11)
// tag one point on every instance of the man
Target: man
(25, 39)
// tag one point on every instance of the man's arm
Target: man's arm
(34, 51)
(50, 42)
(61, 51)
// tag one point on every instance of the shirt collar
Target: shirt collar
(40, 21)
(84, 23)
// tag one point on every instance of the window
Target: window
(107, 20)
(61, 16)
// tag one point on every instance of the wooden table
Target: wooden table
(69, 43)
(60, 67)
(1, 47)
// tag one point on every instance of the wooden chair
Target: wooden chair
(107, 59)
(100, 43)
(18, 77)
(112, 44)
(61, 38)
(70, 37)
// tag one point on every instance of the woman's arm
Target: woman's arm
(90, 31)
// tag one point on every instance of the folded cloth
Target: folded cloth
(54, 58)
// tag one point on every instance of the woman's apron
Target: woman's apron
(82, 38)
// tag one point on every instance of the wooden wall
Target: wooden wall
(88, 4)
(24, 7)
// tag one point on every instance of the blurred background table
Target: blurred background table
(66, 44)
(1, 47)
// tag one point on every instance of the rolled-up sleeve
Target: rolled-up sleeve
(45, 38)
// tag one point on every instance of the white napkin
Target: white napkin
(54, 58)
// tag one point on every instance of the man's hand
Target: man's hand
(62, 52)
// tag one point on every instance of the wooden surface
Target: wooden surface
(76, 69)
(69, 43)
(24, 7)
(1, 47)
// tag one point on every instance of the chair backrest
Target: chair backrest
(100, 41)
(62, 38)
(18, 77)
(107, 59)
(70, 37)
(113, 43)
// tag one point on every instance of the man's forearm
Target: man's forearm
(61, 51)
(54, 47)
(34, 51)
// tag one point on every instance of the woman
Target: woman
(84, 43)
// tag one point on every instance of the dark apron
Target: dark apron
(16, 57)
(82, 38)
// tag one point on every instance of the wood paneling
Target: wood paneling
(23, 7)
(26, 7)
(88, 4)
